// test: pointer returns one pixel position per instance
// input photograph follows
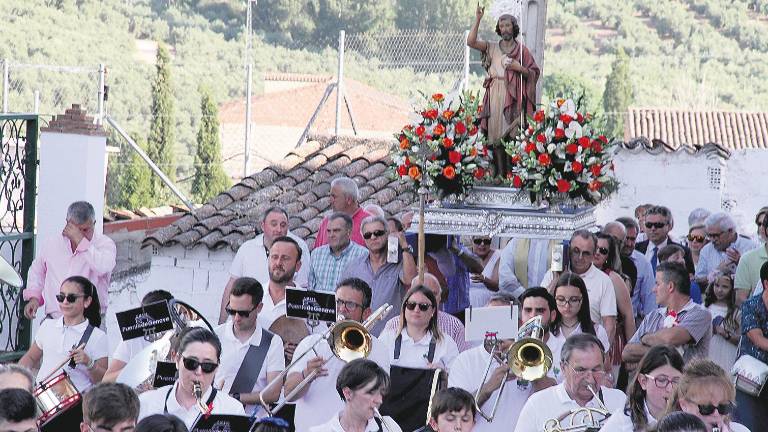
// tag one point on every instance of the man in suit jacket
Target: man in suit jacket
(658, 224)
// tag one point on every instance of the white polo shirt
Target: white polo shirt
(251, 261)
(333, 425)
(621, 422)
(555, 343)
(602, 297)
(155, 402)
(413, 354)
(554, 402)
(321, 397)
(56, 340)
(126, 350)
(270, 311)
(233, 352)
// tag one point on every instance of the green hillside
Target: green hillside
(684, 53)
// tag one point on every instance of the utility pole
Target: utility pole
(248, 80)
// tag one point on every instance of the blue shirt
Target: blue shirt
(326, 268)
(754, 315)
(643, 298)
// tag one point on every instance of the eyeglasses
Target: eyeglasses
(422, 306)
(723, 408)
(192, 364)
(582, 372)
(575, 252)
(478, 241)
(602, 250)
(662, 381)
(70, 298)
(349, 305)
(695, 238)
(562, 301)
(242, 313)
(377, 233)
(657, 225)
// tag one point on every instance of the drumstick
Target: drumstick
(61, 365)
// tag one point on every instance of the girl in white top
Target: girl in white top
(198, 358)
(59, 339)
(720, 300)
(483, 285)
(657, 376)
(362, 385)
(707, 392)
(418, 328)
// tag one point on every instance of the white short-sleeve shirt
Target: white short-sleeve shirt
(333, 425)
(156, 401)
(413, 354)
(555, 401)
(251, 261)
(126, 350)
(555, 343)
(270, 311)
(56, 340)
(602, 297)
(233, 353)
(321, 397)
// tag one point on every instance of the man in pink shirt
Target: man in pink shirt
(77, 252)
(344, 198)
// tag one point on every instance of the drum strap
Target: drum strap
(378, 423)
(86, 335)
(252, 364)
(430, 354)
(207, 403)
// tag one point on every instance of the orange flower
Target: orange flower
(448, 114)
(404, 144)
(438, 97)
(449, 172)
(413, 172)
(439, 130)
(473, 152)
(447, 142)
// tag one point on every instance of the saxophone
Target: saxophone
(197, 390)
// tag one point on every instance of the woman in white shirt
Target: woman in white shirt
(657, 376)
(198, 358)
(61, 338)
(361, 384)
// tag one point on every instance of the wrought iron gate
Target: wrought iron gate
(18, 189)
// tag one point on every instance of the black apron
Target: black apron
(409, 393)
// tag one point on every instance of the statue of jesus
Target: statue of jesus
(510, 87)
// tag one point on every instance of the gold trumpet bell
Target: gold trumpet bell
(350, 340)
(529, 359)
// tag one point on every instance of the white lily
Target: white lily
(573, 130)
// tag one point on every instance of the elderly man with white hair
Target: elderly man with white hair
(345, 199)
(724, 250)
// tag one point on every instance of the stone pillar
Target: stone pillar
(73, 167)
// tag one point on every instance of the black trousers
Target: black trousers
(752, 411)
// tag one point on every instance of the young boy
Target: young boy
(453, 410)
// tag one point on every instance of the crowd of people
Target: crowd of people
(643, 329)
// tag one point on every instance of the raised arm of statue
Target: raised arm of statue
(472, 40)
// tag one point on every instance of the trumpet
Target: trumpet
(197, 390)
(528, 358)
(349, 340)
(582, 419)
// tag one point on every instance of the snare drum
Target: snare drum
(55, 396)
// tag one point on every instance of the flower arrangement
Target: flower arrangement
(443, 149)
(561, 156)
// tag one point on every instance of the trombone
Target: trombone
(348, 339)
(529, 359)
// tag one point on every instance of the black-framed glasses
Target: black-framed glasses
(662, 381)
(695, 238)
(242, 313)
(422, 306)
(483, 241)
(724, 408)
(70, 298)
(349, 305)
(562, 301)
(602, 250)
(377, 233)
(191, 364)
(657, 225)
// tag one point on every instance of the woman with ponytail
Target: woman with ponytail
(75, 336)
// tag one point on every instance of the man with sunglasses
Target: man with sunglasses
(643, 299)
(658, 224)
(388, 280)
(725, 249)
(251, 356)
(582, 359)
(78, 251)
(110, 407)
(748, 271)
(318, 400)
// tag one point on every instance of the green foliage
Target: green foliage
(129, 182)
(210, 178)
(617, 96)
(162, 129)
(444, 15)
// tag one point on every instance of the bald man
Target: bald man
(447, 323)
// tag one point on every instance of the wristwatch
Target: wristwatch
(408, 249)
(236, 396)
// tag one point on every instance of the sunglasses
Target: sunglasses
(70, 298)
(724, 408)
(377, 233)
(478, 242)
(242, 313)
(695, 238)
(602, 250)
(422, 306)
(657, 225)
(191, 364)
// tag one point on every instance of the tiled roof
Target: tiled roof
(728, 129)
(657, 146)
(300, 184)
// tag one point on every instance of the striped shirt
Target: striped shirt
(694, 318)
(326, 267)
(447, 323)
